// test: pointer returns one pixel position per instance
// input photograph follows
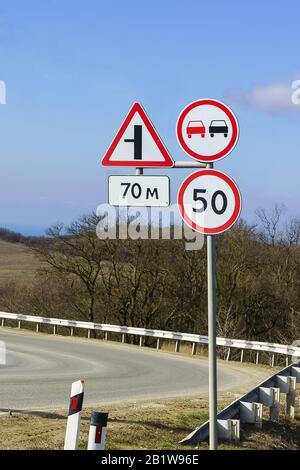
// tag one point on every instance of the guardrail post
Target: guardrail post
(275, 408)
(287, 361)
(295, 343)
(257, 358)
(97, 433)
(194, 349)
(19, 324)
(270, 397)
(295, 372)
(54, 329)
(72, 331)
(242, 355)
(2, 322)
(158, 343)
(106, 336)
(228, 354)
(89, 334)
(228, 429)
(123, 337)
(74, 415)
(141, 341)
(251, 412)
(258, 413)
(177, 346)
(37, 328)
(272, 360)
(291, 398)
(287, 385)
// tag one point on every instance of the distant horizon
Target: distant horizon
(39, 230)
(27, 231)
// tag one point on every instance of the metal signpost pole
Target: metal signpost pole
(212, 335)
(212, 357)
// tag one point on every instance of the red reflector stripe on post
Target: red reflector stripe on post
(98, 434)
(74, 403)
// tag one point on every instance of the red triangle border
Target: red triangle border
(137, 108)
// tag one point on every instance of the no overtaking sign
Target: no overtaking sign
(207, 130)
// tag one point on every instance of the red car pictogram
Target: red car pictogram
(195, 127)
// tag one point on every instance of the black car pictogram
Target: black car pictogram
(218, 127)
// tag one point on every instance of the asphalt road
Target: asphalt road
(40, 369)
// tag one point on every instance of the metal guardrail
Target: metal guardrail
(232, 415)
(258, 346)
(233, 411)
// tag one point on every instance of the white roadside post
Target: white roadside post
(97, 433)
(74, 415)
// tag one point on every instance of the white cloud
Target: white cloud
(274, 97)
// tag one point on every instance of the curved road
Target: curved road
(40, 369)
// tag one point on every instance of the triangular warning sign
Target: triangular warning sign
(137, 143)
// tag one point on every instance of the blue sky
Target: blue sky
(73, 68)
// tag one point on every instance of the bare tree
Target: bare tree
(270, 222)
(74, 255)
(292, 232)
(157, 284)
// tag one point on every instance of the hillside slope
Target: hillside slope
(17, 262)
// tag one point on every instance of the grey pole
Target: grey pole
(211, 289)
(187, 164)
(212, 355)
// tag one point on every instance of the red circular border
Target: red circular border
(237, 197)
(234, 124)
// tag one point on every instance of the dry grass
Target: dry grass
(148, 425)
(17, 262)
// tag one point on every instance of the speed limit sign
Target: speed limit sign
(209, 201)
